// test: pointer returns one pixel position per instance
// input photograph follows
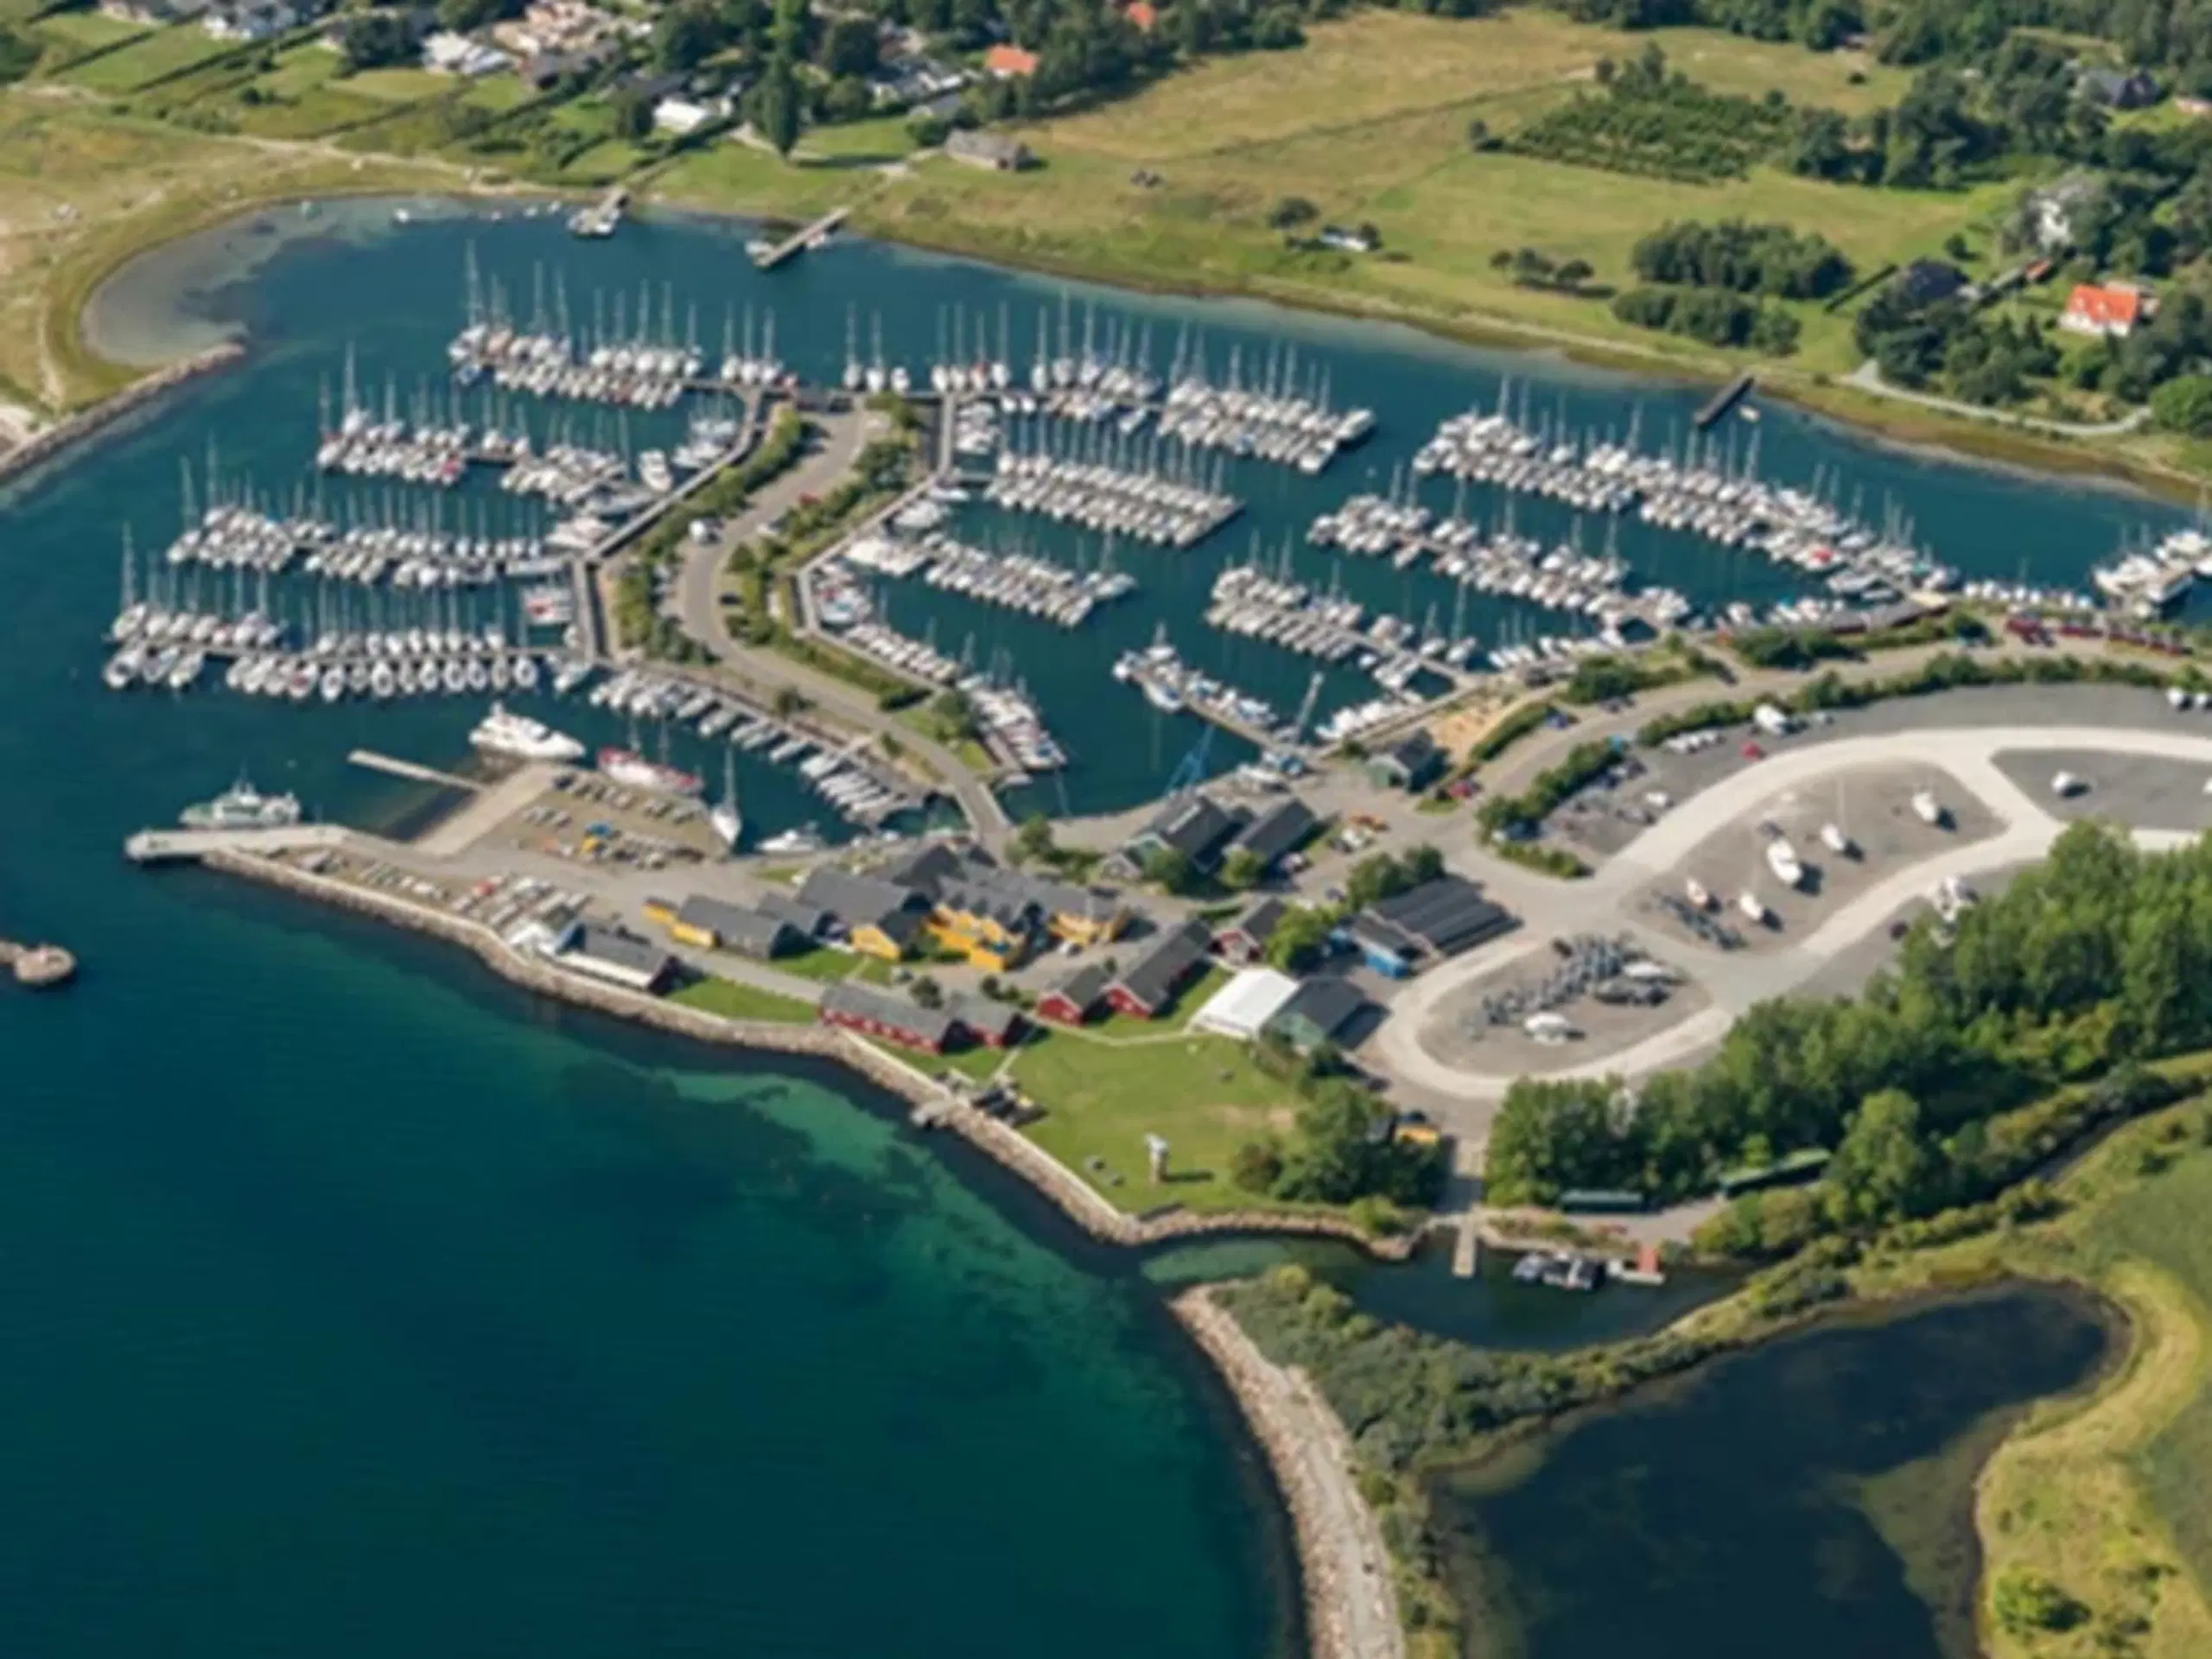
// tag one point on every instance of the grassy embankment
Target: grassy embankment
(1368, 121)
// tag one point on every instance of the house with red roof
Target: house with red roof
(2106, 309)
(1142, 13)
(1007, 61)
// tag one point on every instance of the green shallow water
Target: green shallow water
(351, 1304)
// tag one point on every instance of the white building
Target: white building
(448, 54)
(1243, 1007)
(681, 116)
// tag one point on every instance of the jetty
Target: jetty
(40, 967)
(189, 846)
(1725, 399)
(807, 235)
(412, 770)
(602, 216)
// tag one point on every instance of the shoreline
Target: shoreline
(54, 443)
(1898, 429)
(1336, 1547)
(1351, 1607)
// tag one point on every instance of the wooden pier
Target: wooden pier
(1467, 1246)
(410, 771)
(808, 236)
(1725, 399)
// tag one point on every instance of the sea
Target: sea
(355, 1303)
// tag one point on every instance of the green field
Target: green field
(734, 1001)
(71, 34)
(1102, 1097)
(165, 52)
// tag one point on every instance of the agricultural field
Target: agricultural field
(70, 35)
(1368, 121)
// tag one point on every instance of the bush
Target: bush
(2026, 1603)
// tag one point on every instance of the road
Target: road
(1867, 378)
(1602, 903)
(700, 611)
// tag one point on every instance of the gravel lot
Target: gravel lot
(2140, 791)
(1457, 1033)
(1873, 806)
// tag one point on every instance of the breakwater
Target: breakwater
(53, 441)
(1351, 1609)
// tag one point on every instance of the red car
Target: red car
(1752, 752)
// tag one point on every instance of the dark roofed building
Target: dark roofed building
(1076, 998)
(881, 917)
(2117, 89)
(879, 1013)
(1439, 918)
(1280, 829)
(994, 1025)
(1195, 825)
(1320, 1011)
(620, 958)
(1409, 763)
(810, 920)
(1246, 939)
(1149, 983)
(712, 924)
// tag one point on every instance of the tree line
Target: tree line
(2098, 958)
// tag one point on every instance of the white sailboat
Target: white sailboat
(724, 817)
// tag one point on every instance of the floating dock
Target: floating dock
(807, 235)
(1725, 399)
(411, 770)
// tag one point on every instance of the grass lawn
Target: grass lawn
(735, 1002)
(400, 86)
(856, 142)
(496, 94)
(822, 963)
(164, 52)
(1101, 1099)
(729, 175)
(71, 34)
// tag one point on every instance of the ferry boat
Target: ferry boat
(242, 807)
(633, 771)
(503, 732)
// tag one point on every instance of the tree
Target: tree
(2184, 404)
(952, 717)
(685, 37)
(847, 99)
(1172, 870)
(776, 107)
(1572, 273)
(633, 114)
(1883, 1171)
(928, 993)
(1257, 1165)
(1290, 212)
(1243, 869)
(2027, 1603)
(788, 702)
(848, 47)
(1033, 839)
(375, 40)
(1480, 138)
(1300, 939)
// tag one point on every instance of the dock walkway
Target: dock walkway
(412, 770)
(807, 235)
(171, 846)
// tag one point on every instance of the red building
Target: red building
(872, 1012)
(1147, 989)
(1075, 999)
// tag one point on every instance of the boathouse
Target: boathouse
(609, 954)
(1147, 988)
(1245, 939)
(1075, 999)
(879, 1013)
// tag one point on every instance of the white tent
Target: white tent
(1241, 1008)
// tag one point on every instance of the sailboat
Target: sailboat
(723, 816)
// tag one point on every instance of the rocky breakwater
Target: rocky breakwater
(1352, 1602)
(49, 441)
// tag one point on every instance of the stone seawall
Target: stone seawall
(934, 1103)
(44, 445)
